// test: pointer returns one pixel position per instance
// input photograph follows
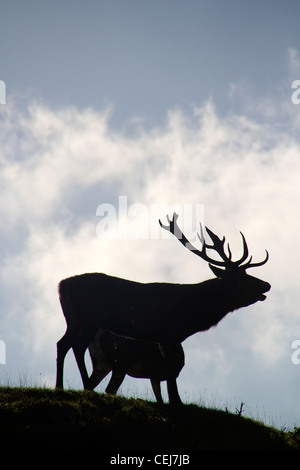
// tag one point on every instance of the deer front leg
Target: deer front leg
(174, 397)
(156, 389)
(169, 353)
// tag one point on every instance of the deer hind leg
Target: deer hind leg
(100, 365)
(63, 346)
(115, 382)
(156, 389)
(96, 377)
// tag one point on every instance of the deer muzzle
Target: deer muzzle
(267, 287)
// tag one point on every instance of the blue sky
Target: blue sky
(161, 102)
(145, 57)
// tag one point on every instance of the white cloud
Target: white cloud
(59, 166)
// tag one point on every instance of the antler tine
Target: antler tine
(218, 246)
(253, 265)
(172, 224)
(217, 241)
(175, 230)
(167, 227)
(245, 252)
(229, 251)
(201, 236)
(245, 256)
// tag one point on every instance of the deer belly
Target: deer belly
(142, 371)
(140, 359)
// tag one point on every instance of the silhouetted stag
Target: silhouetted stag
(159, 312)
(137, 358)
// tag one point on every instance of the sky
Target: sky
(119, 112)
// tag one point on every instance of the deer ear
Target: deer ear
(217, 271)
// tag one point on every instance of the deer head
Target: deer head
(248, 289)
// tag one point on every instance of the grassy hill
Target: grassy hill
(49, 419)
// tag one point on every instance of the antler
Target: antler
(218, 246)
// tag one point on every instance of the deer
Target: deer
(137, 358)
(166, 313)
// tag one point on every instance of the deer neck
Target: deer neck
(206, 304)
